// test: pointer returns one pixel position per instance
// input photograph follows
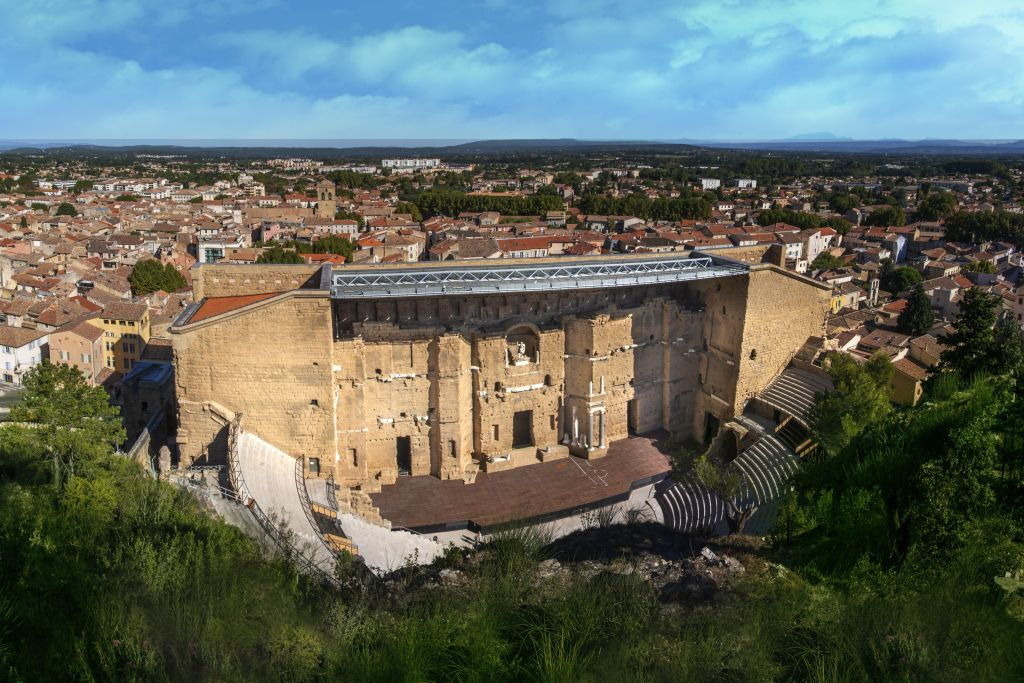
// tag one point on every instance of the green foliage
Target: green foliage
(981, 267)
(861, 398)
(977, 226)
(38, 206)
(913, 485)
(936, 206)
(898, 280)
(977, 346)
(841, 202)
(277, 254)
(409, 208)
(63, 420)
(826, 261)
(149, 275)
(116, 576)
(128, 198)
(804, 221)
(840, 225)
(887, 216)
(82, 186)
(917, 317)
(641, 206)
(444, 202)
(66, 209)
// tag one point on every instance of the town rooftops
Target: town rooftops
(16, 337)
(124, 311)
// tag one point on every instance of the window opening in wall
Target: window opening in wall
(314, 466)
(553, 426)
(496, 433)
(497, 386)
(452, 451)
(353, 457)
(314, 402)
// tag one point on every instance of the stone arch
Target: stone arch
(522, 343)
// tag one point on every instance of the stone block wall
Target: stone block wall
(231, 279)
(270, 362)
(353, 382)
(783, 309)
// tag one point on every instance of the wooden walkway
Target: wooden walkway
(425, 503)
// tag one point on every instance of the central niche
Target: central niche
(522, 346)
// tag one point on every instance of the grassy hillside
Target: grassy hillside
(108, 575)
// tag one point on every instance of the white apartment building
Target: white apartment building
(746, 183)
(20, 350)
(710, 183)
(410, 163)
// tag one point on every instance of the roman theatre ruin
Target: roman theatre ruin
(406, 386)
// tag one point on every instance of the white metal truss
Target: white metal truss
(610, 272)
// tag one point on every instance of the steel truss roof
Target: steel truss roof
(391, 283)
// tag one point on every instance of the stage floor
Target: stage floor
(549, 489)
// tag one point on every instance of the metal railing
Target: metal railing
(613, 272)
(332, 498)
(262, 519)
(307, 506)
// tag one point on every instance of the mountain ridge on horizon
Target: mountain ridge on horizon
(810, 142)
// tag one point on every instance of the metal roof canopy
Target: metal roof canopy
(601, 273)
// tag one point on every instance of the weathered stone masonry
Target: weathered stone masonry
(449, 385)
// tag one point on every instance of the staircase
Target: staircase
(795, 436)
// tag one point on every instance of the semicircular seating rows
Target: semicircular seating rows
(764, 467)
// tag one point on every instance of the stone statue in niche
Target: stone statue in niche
(521, 351)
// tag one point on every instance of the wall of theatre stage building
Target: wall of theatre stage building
(468, 380)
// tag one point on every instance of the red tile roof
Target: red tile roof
(223, 304)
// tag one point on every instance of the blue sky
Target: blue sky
(500, 69)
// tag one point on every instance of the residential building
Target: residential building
(126, 330)
(21, 349)
(80, 346)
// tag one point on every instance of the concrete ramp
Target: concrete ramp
(264, 478)
(273, 481)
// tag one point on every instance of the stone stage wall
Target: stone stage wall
(452, 385)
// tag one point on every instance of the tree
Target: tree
(981, 267)
(128, 198)
(917, 317)
(899, 279)
(82, 186)
(65, 419)
(727, 483)
(887, 216)
(149, 275)
(826, 261)
(861, 397)
(936, 206)
(971, 346)
(929, 470)
(277, 254)
(66, 209)
(23, 223)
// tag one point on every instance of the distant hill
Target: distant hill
(468, 150)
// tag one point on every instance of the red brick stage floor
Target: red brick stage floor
(425, 503)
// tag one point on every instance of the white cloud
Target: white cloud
(607, 68)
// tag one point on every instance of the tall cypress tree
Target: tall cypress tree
(917, 317)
